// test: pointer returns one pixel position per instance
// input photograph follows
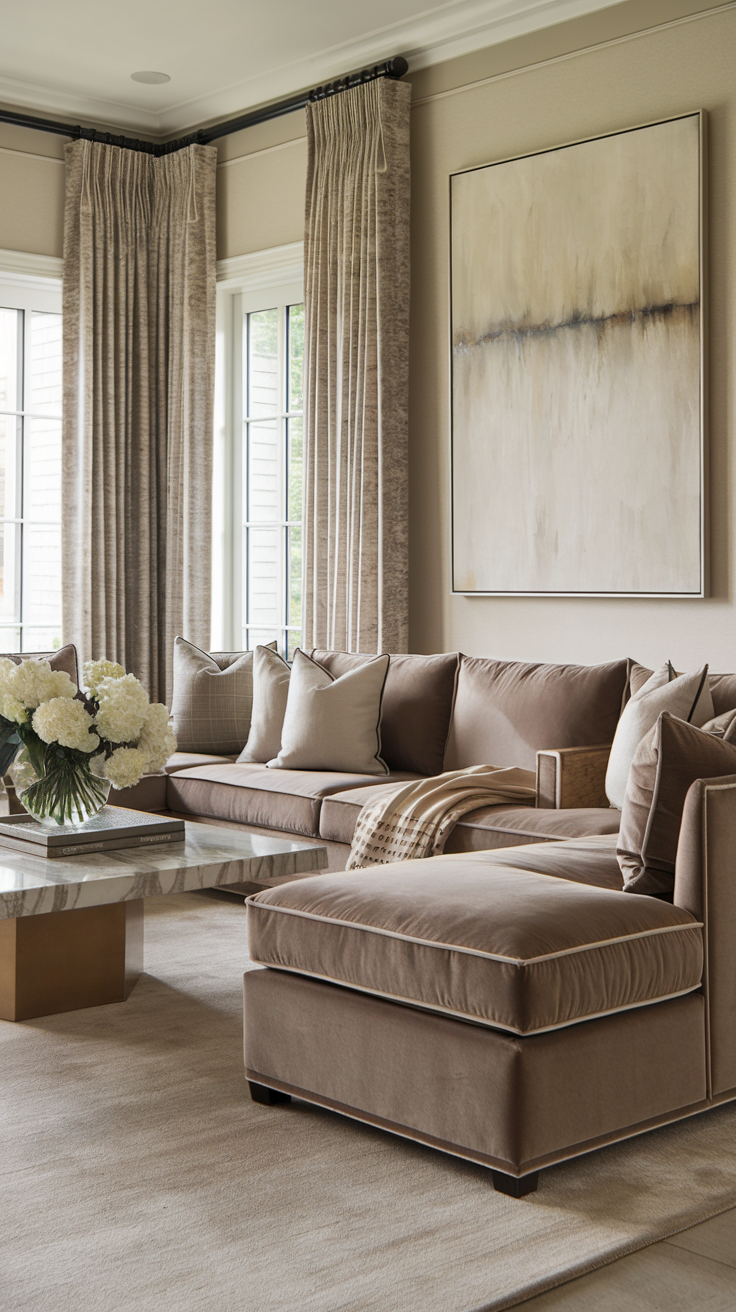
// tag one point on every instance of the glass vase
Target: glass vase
(64, 792)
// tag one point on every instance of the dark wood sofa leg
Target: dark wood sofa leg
(269, 1097)
(515, 1187)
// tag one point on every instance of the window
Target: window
(257, 572)
(271, 477)
(30, 469)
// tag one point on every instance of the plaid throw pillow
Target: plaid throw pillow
(212, 699)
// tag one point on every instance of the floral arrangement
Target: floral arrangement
(71, 746)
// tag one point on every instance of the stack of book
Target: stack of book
(114, 827)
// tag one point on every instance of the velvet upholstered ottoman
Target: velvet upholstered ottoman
(497, 1011)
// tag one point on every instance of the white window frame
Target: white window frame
(246, 284)
(28, 282)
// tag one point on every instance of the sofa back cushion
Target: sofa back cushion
(417, 705)
(507, 711)
(722, 687)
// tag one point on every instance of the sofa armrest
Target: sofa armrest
(705, 885)
(572, 776)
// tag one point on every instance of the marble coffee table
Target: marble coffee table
(71, 931)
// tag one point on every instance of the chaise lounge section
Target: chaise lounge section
(513, 1008)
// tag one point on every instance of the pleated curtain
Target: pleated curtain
(138, 364)
(355, 564)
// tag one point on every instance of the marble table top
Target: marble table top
(209, 857)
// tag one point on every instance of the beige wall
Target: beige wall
(591, 75)
(31, 191)
(260, 187)
(673, 69)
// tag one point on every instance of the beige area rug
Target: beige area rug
(137, 1176)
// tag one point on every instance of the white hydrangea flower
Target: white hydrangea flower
(157, 738)
(125, 767)
(97, 765)
(34, 682)
(7, 670)
(93, 672)
(123, 704)
(11, 709)
(66, 722)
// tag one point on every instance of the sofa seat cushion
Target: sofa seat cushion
(504, 826)
(488, 827)
(513, 949)
(584, 860)
(251, 794)
(188, 761)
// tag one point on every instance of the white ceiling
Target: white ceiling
(76, 56)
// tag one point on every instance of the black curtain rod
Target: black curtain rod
(393, 68)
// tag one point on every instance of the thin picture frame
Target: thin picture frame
(459, 585)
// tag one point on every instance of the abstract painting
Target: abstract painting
(577, 368)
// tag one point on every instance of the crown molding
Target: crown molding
(37, 270)
(75, 106)
(267, 268)
(444, 33)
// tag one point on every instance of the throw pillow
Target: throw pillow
(271, 677)
(723, 726)
(416, 708)
(64, 658)
(333, 724)
(686, 696)
(670, 757)
(722, 687)
(211, 700)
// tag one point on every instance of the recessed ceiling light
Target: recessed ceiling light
(151, 78)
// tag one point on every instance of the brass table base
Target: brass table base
(65, 960)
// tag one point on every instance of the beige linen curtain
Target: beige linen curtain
(139, 333)
(355, 568)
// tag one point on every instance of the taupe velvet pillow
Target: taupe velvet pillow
(417, 705)
(723, 726)
(667, 761)
(212, 699)
(64, 658)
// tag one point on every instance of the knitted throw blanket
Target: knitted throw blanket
(411, 820)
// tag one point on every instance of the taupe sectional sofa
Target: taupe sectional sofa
(505, 1002)
(439, 713)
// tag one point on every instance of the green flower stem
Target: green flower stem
(66, 786)
(9, 743)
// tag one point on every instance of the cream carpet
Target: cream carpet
(136, 1175)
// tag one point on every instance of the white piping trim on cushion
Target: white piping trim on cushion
(470, 1016)
(472, 952)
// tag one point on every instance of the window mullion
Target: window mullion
(20, 499)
